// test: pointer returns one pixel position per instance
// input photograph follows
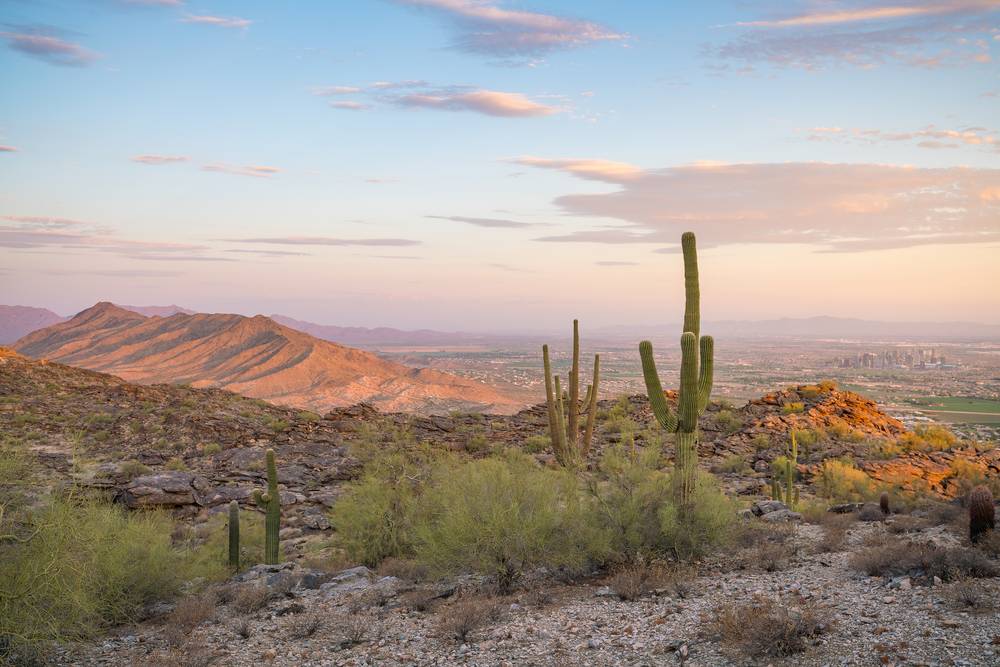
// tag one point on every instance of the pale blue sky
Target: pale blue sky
(288, 157)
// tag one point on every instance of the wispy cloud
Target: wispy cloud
(268, 253)
(220, 21)
(350, 106)
(324, 241)
(931, 137)
(255, 171)
(117, 273)
(919, 34)
(420, 94)
(51, 233)
(615, 263)
(159, 159)
(7, 149)
(839, 207)
(487, 222)
(483, 26)
(42, 43)
(489, 102)
(608, 171)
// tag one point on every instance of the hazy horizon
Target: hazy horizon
(481, 165)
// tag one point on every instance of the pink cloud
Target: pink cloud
(7, 149)
(350, 105)
(489, 102)
(483, 26)
(608, 171)
(159, 159)
(40, 44)
(220, 21)
(839, 207)
(237, 170)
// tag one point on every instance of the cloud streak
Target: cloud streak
(484, 27)
(159, 159)
(324, 241)
(7, 149)
(416, 94)
(255, 171)
(927, 137)
(868, 35)
(219, 21)
(41, 44)
(487, 222)
(837, 207)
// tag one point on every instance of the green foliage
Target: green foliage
(176, 463)
(728, 421)
(211, 449)
(792, 408)
(535, 444)
(502, 516)
(761, 441)
(308, 416)
(927, 439)
(703, 525)
(132, 469)
(841, 481)
(374, 516)
(733, 463)
(71, 568)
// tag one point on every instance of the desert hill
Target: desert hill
(18, 321)
(253, 356)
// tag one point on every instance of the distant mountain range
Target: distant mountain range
(256, 357)
(17, 321)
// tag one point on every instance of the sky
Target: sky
(493, 165)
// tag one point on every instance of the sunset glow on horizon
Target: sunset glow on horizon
(490, 165)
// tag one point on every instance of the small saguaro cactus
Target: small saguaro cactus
(695, 381)
(883, 503)
(982, 515)
(271, 502)
(564, 411)
(234, 535)
(791, 463)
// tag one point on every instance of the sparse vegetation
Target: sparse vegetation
(461, 618)
(765, 628)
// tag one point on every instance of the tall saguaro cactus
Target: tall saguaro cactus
(568, 445)
(695, 381)
(271, 501)
(791, 464)
(234, 535)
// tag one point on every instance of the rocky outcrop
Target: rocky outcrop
(819, 407)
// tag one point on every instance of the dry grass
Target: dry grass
(834, 533)
(189, 613)
(894, 557)
(765, 628)
(772, 556)
(636, 581)
(354, 629)
(904, 524)
(303, 626)
(250, 598)
(458, 620)
(970, 595)
(419, 599)
(403, 568)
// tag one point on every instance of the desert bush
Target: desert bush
(500, 517)
(406, 569)
(927, 438)
(303, 626)
(706, 525)
(208, 553)
(792, 408)
(969, 595)
(189, 612)
(772, 556)
(80, 566)
(839, 480)
(765, 628)
(132, 469)
(731, 464)
(251, 598)
(211, 449)
(904, 524)
(807, 437)
(728, 422)
(536, 444)
(966, 475)
(458, 620)
(419, 599)
(374, 517)
(894, 557)
(834, 533)
(761, 441)
(632, 582)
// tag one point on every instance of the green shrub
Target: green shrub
(79, 567)
(927, 439)
(706, 525)
(211, 449)
(132, 469)
(761, 441)
(537, 444)
(627, 499)
(308, 416)
(732, 464)
(839, 480)
(728, 421)
(501, 517)
(374, 516)
(792, 408)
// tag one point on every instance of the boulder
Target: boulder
(166, 489)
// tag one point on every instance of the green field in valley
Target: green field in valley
(959, 409)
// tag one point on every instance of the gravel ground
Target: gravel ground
(872, 622)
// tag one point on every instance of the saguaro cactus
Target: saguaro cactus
(695, 380)
(271, 501)
(791, 464)
(982, 515)
(234, 535)
(564, 412)
(883, 503)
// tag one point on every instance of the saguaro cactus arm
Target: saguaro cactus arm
(705, 372)
(234, 535)
(654, 390)
(692, 293)
(588, 433)
(573, 423)
(687, 408)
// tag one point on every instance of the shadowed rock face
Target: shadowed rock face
(253, 356)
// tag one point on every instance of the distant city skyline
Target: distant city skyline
(486, 165)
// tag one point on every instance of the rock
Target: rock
(762, 507)
(165, 489)
(354, 579)
(605, 592)
(782, 515)
(870, 512)
(845, 508)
